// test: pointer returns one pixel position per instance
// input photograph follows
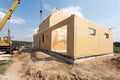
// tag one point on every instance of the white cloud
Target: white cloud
(14, 31)
(116, 30)
(116, 35)
(25, 35)
(17, 20)
(28, 32)
(14, 19)
(1, 15)
(47, 6)
(73, 10)
(3, 9)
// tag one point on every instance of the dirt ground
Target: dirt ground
(40, 66)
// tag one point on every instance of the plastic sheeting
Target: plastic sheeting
(59, 39)
(62, 34)
(36, 31)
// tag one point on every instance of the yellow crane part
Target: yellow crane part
(6, 44)
(8, 14)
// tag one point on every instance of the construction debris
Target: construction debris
(5, 57)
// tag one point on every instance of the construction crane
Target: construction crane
(5, 42)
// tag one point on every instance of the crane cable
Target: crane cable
(41, 11)
(8, 24)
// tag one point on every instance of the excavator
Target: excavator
(5, 42)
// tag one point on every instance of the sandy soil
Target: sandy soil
(40, 66)
(13, 72)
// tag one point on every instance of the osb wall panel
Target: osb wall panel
(45, 24)
(36, 41)
(86, 44)
(58, 17)
(79, 42)
(70, 37)
(69, 22)
(53, 19)
(46, 44)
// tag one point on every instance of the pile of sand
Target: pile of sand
(116, 62)
(40, 66)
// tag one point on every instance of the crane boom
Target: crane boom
(8, 14)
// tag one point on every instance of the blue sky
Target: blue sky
(26, 17)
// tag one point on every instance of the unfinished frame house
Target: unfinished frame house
(73, 36)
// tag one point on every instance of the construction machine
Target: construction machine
(5, 42)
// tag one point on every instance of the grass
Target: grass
(4, 66)
(116, 49)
